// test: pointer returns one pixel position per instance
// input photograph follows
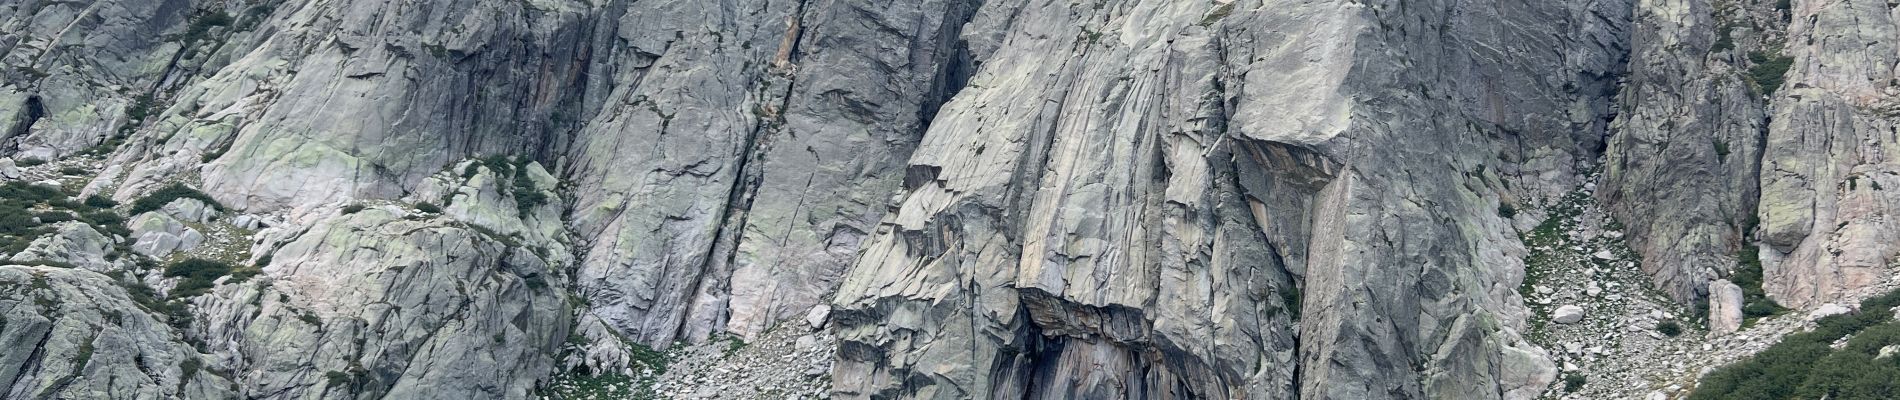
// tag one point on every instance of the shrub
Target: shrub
(352, 209)
(1804, 366)
(1769, 70)
(1572, 382)
(54, 217)
(97, 201)
(73, 171)
(158, 199)
(201, 25)
(28, 162)
(198, 273)
(428, 208)
(1669, 328)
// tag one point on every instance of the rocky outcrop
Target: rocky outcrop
(74, 244)
(1002, 198)
(1725, 307)
(78, 71)
(76, 334)
(1133, 217)
(1680, 172)
(374, 304)
(1826, 214)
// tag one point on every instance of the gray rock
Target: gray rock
(158, 234)
(818, 315)
(1829, 223)
(1829, 310)
(74, 243)
(1725, 307)
(1567, 314)
(77, 334)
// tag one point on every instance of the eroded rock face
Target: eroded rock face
(375, 304)
(1059, 249)
(1003, 198)
(76, 334)
(1825, 211)
(1681, 170)
(75, 244)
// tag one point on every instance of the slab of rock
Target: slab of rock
(817, 316)
(1567, 314)
(74, 243)
(8, 170)
(1725, 307)
(1829, 310)
(159, 234)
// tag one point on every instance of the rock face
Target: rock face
(971, 199)
(1825, 210)
(1680, 172)
(1159, 188)
(75, 334)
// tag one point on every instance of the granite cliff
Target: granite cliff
(925, 199)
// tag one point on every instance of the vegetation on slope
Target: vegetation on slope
(1807, 365)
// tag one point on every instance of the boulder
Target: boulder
(1567, 314)
(817, 316)
(1829, 310)
(1725, 307)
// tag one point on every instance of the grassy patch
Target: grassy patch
(1669, 328)
(582, 383)
(27, 211)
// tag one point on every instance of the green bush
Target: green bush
(73, 171)
(199, 275)
(54, 217)
(201, 25)
(1804, 366)
(428, 208)
(1669, 328)
(97, 201)
(1755, 301)
(352, 209)
(1769, 70)
(1572, 382)
(29, 162)
(158, 199)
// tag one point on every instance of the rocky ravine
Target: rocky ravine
(924, 199)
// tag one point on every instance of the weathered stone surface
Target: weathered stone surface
(1826, 212)
(74, 243)
(1725, 307)
(1680, 170)
(159, 234)
(373, 304)
(75, 69)
(1567, 314)
(1114, 221)
(76, 334)
(1119, 198)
